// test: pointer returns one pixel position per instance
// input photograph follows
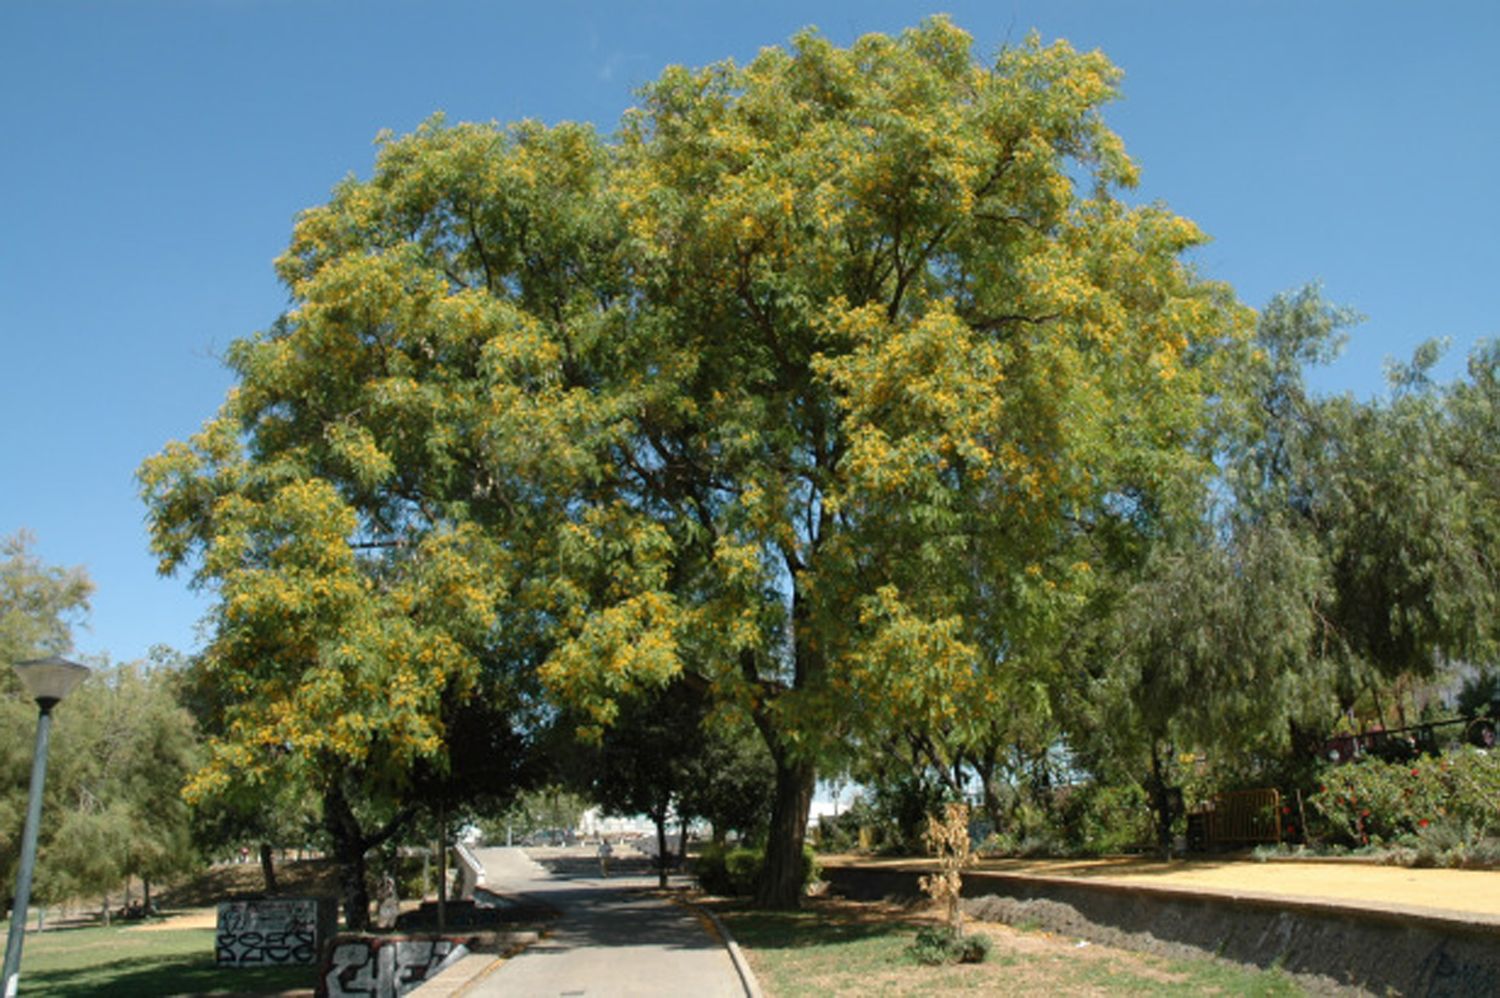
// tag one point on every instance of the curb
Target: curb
(477, 965)
(741, 966)
(747, 976)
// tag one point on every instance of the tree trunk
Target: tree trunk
(660, 817)
(781, 879)
(146, 894)
(994, 808)
(682, 837)
(349, 855)
(268, 867)
(1161, 803)
(442, 905)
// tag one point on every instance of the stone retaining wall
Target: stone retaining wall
(1380, 951)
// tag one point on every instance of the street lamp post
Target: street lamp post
(48, 680)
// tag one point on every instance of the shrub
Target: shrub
(711, 867)
(1448, 801)
(733, 872)
(974, 948)
(939, 944)
(932, 945)
(1099, 818)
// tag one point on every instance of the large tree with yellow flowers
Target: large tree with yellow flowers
(822, 385)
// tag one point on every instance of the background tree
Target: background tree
(1348, 548)
(39, 607)
(122, 748)
(1209, 637)
(1391, 492)
(122, 759)
(644, 763)
(548, 808)
(730, 781)
(1205, 652)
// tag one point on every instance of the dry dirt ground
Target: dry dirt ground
(194, 903)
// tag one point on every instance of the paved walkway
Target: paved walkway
(609, 940)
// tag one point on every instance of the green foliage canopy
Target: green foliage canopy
(807, 386)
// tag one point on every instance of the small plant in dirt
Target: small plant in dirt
(948, 838)
(938, 944)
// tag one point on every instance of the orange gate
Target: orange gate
(1239, 817)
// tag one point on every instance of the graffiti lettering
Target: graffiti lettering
(385, 968)
(280, 930)
(1442, 974)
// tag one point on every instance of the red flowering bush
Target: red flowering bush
(1371, 802)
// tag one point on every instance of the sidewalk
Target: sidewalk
(610, 938)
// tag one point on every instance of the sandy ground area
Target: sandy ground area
(1470, 893)
(192, 918)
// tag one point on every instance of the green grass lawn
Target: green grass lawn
(125, 960)
(848, 949)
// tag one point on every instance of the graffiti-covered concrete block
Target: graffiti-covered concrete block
(385, 966)
(253, 933)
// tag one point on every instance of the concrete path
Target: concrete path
(610, 939)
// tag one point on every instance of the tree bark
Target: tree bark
(1161, 803)
(350, 844)
(781, 879)
(660, 817)
(349, 855)
(984, 765)
(442, 906)
(268, 867)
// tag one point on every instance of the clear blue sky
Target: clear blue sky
(155, 154)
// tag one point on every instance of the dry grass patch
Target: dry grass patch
(294, 878)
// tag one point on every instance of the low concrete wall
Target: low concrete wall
(471, 870)
(254, 932)
(1380, 951)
